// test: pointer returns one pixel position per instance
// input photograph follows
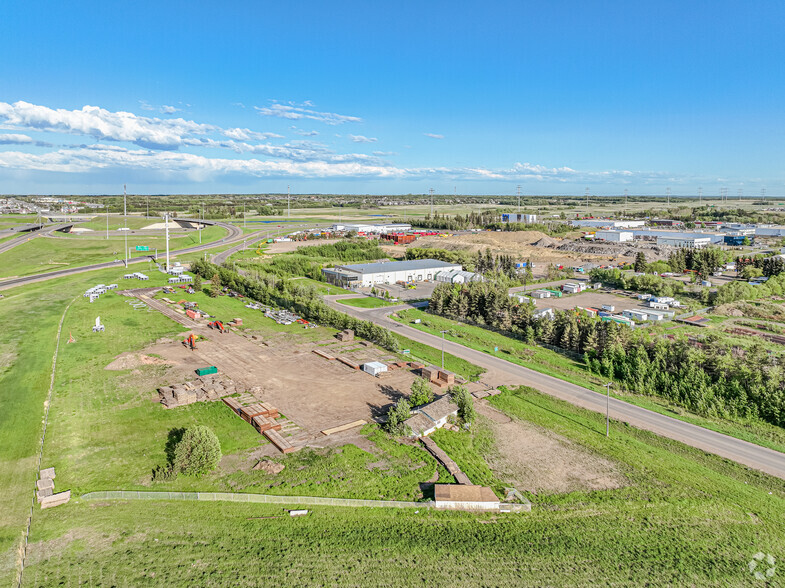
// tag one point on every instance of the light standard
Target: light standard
(608, 409)
(442, 332)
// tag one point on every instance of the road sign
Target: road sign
(142, 248)
(405, 351)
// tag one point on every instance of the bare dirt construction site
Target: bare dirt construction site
(534, 245)
(539, 460)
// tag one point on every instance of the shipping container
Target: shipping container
(206, 370)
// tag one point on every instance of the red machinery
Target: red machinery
(190, 341)
(217, 325)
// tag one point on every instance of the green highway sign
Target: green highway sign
(142, 248)
(405, 351)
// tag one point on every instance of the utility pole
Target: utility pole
(700, 197)
(608, 409)
(200, 224)
(166, 222)
(288, 202)
(741, 193)
(763, 195)
(125, 224)
(442, 332)
(107, 221)
(519, 199)
(625, 200)
(431, 191)
(668, 193)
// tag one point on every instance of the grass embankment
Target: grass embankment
(686, 518)
(50, 253)
(366, 302)
(322, 288)
(571, 368)
(117, 222)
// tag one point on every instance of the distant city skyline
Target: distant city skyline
(366, 98)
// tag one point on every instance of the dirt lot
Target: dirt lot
(313, 392)
(590, 299)
(537, 246)
(539, 460)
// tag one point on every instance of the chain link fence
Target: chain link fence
(256, 498)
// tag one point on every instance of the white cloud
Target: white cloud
(294, 111)
(362, 139)
(303, 132)
(384, 153)
(433, 136)
(249, 135)
(10, 139)
(169, 109)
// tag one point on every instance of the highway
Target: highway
(25, 237)
(754, 456)
(235, 234)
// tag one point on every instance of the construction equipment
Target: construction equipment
(190, 341)
(217, 325)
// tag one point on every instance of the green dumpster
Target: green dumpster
(206, 370)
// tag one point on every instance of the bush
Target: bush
(460, 396)
(198, 452)
(421, 392)
(396, 416)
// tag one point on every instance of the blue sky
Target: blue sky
(394, 97)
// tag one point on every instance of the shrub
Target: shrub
(421, 392)
(460, 396)
(397, 415)
(198, 452)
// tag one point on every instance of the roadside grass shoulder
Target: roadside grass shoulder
(430, 356)
(47, 253)
(571, 368)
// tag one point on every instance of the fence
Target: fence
(255, 498)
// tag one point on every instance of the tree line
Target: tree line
(300, 298)
(711, 378)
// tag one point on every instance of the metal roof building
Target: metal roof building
(387, 272)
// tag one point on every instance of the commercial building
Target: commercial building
(373, 229)
(664, 222)
(769, 231)
(458, 277)
(517, 217)
(635, 315)
(387, 272)
(616, 236)
(686, 242)
(606, 223)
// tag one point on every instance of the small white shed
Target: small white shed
(374, 368)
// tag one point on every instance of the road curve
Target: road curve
(754, 456)
(235, 234)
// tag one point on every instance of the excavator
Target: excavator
(190, 341)
(217, 325)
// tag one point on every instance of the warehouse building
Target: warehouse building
(373, 229)
(518, 217)
(686, 242)
(458, 277)
(607, 223)
(616, 236)
(387, 272)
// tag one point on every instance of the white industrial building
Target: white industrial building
(616, 236)
(606, 223)
(635, 315)
(652, 234)
(387, 272)
(517, 217)
(769, 231)
(373, 229)
(686, 242)
(541, 294)
(458, 277)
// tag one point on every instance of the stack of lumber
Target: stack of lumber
(481, 394)
(45, 487)
(349, 362)
(416, 365)
(233, 404)
(281, 443)
(430, 373)
(321, 353)
(206, 388)
(262, 423)
(247, 413)
(345, 335)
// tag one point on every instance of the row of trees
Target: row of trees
(703, 262)
(768, 265)
(711, 380)
(300, 298)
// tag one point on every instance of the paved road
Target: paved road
(25, 237)
(749, 454)
(235, 234)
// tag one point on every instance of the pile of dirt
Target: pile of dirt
(545, 242)
(128, 360)
(269, 466)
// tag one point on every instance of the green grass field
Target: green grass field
(687, 518)
(572, 369)
(47, 254)
(366, 302)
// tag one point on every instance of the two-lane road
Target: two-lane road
(749, 454)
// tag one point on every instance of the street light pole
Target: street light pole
(442, 332)
(125, 222)
(608, 409)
